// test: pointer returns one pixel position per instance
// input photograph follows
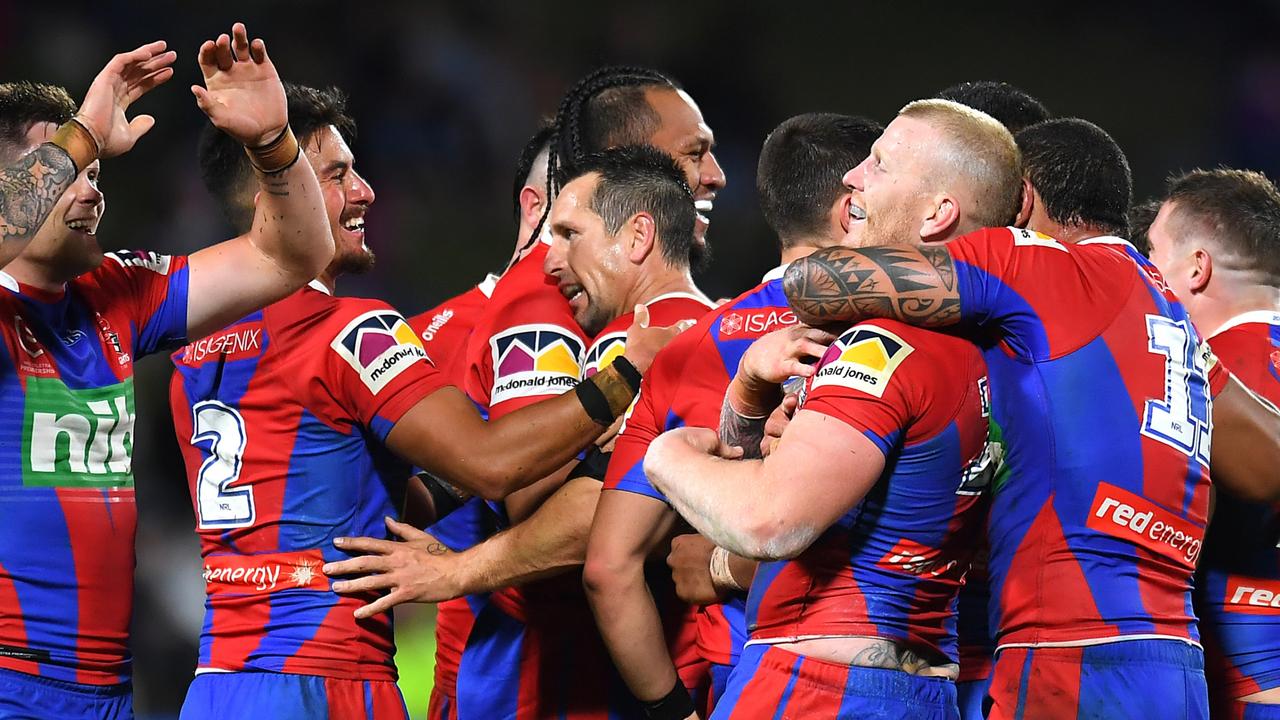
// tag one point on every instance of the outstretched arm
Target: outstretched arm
(32, 183)
(913, 284)
(290, 242)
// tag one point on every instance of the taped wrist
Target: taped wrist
(607, 394)
(276, 156)
(74, 137)
(721, 576)
(675, 705)
(445, 498)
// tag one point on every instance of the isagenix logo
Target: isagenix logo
(77, 438)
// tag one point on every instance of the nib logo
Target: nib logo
(77, 438)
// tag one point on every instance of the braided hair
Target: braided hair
(605, 108)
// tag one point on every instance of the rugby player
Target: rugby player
(500, 671)
(1215, 239)
(32, 179)
(1118, 471)
(74, 326)
(869, 508)
(799, 184)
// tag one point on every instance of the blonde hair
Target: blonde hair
(977, 148)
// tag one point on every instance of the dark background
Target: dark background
(445, 96)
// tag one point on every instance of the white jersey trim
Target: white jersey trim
(8, 282)
(1108, 240)
(487, 285)
(1089, 642)
(203, 671)
(775, 274)
(317, 285)
(802, 638)
(1267, 317)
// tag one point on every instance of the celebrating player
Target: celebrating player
(74, 326)
(40, 159)
(870, 505)
(800, 189)
(1091, 480)
(1215, 241)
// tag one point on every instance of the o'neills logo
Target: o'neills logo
(1125, 516)
(1252, 596)
(246, 574)
(437, 321)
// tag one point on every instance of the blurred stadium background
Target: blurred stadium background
(445, 95)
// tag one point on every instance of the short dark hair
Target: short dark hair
(225, 168)
(23, 104)
(802, 166)
(1079, 172)
(642, 178)
(524, 166)
(1013, 107)
(1141, 216)
(1240, 209)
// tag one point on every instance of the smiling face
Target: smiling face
(67, 242)
(889, 190)
(347, 197)
(684, 135)
(590, 265)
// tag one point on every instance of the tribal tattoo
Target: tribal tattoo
(29, 188)
(744, 432)
(916, 285)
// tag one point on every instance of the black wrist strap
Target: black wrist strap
(675, 705)
(628, 372)
(594, 402)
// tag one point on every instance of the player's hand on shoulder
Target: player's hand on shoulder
(644, 342)
(783, 354)
(242, 93)
(690, 563)
(415, 569)
(127, 77)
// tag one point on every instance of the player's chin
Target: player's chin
(355, 262)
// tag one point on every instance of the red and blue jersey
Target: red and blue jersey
(686, 386)
(281, 418)
(891, 566)
(1238, 593)
(66, 452)
(1102, 389)
(444, 329)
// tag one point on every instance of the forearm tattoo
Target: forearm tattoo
(915, 285)
(736, 430)
(29, 188)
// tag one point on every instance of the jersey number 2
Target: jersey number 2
(218, 430)
(1182, 419)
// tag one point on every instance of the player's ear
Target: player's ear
(838, 216)
(531, 205)
(1025, 207)
(1201, 270)
(643, 236)
(944, 213)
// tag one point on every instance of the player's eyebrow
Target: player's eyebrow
(335, 166)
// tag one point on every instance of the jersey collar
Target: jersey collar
(775, 274)
(487, 285)
(1266, 317)
(317, 285)
(1108, 240)
(8, 283)
(688, 296)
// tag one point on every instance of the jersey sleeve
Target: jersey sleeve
(1031, 291)
(1217, 373)
(375, 366)
(154, 289)
(535, 351)
(870, 380)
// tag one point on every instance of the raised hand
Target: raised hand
(643, 342)
(127, 77)
(242, 93)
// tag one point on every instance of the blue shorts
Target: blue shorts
(719, 685)
(773, 683)
(283, 696)
(1134, 679)
(970, 696)
(31, 697)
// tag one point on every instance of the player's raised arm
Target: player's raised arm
(913, 284)
(290, 242)
(32, 183)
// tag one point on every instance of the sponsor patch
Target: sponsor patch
(1252, 596)
(236, 341)
(864, 358)
(602, 352)
(77, 438)
(1033, 238)
(752, 323)
(379, 345)
(532, 360)
(1134, 519)
(266, 573)
(155, 262)
(913, 558)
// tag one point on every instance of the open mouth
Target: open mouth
(857, 213)
(572, 292)
(704, 208)
(87, 226)
(354, 225)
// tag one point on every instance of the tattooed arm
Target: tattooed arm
(29, 187)
(772, 508)
(913, 284)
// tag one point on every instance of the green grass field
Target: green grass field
(416, 655)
